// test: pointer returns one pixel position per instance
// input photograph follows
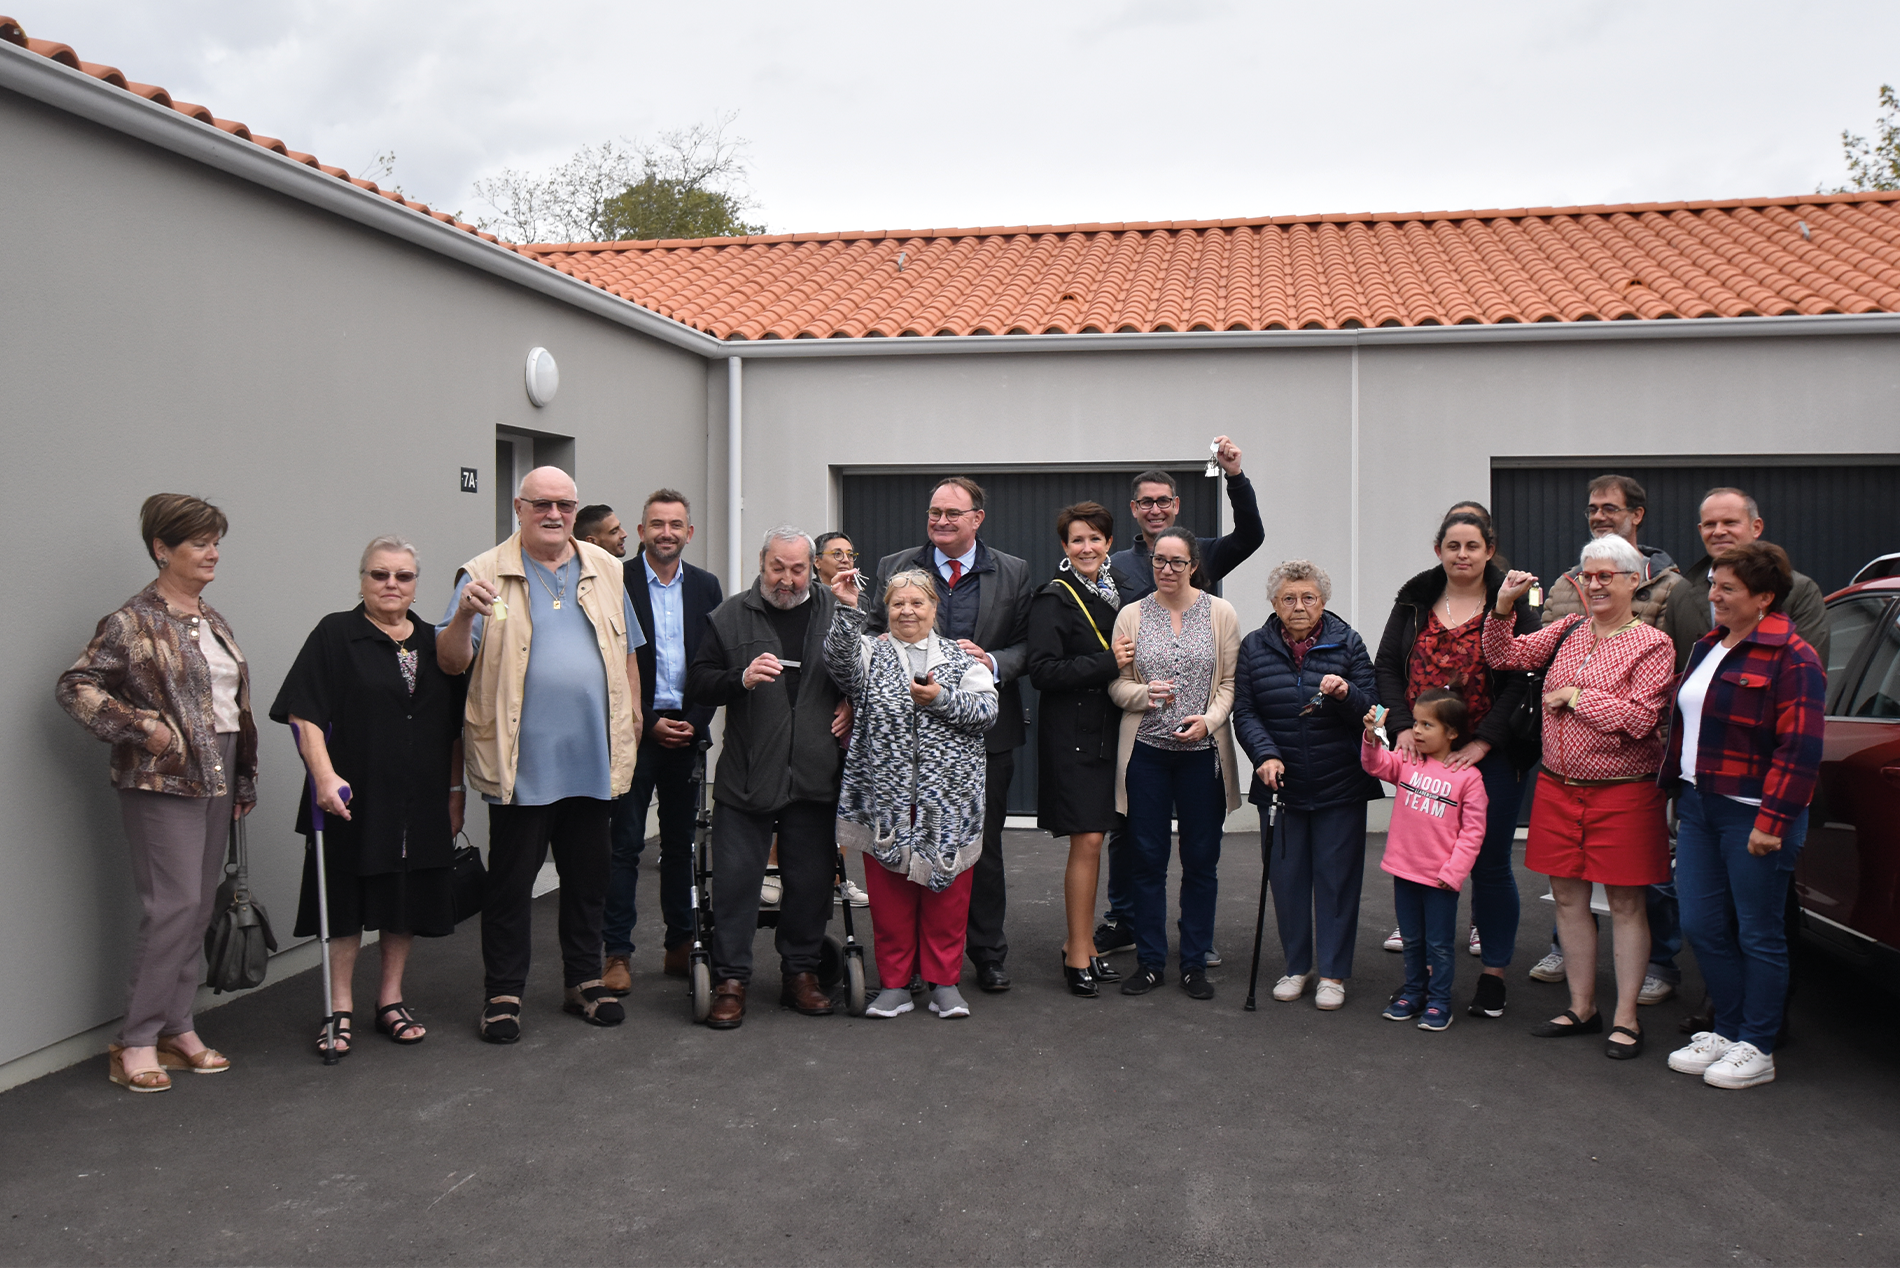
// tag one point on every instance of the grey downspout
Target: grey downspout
(735, 475)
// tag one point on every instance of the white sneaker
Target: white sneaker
(1291, 987)
(1743, 1065)
(1703, 1050)
(1549, 969)
(1473, 946)
(855, 896)
(1330, 994)
(1654, 991)
(1394, 941)
(770, 890)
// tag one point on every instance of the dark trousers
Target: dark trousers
(807, 864)
(985, 942)
(1428, 922)
(519, 838)
(1733, 909)
(1186, 786)
(1319, 865)
(1120, 848)
(1494, 904)
(667, 772)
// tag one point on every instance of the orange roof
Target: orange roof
(1820, 253)
(12, 33)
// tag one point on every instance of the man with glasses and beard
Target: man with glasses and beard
(671, 600)
(983, 599)
(550, 735)
(762, 657)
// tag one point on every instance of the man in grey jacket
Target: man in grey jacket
(1729, 517)
(762, 657)
(983, 598)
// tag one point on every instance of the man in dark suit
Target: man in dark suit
(671, 600)
(983, 602)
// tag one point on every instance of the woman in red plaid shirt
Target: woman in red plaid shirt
(1744, 750)
(1598, 816)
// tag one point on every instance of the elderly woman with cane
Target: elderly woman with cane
(912, 797)
(1598, 816)
(1303, 683)
(371, 709)
(163, 681)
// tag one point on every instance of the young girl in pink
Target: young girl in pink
(1437, 827)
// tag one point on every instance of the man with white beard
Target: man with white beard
(762, 657)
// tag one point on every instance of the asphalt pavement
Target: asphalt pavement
(1043, 1129)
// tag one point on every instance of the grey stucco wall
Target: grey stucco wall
(164, 327)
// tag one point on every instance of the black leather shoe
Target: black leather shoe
(1081, 981)
(1142, 982)
(992, 977)
(1195, 983)
(1102, 971)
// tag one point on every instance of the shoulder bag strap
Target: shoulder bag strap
(1088, 615)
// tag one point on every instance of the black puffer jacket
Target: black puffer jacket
(1409, 612)
(1321, 748)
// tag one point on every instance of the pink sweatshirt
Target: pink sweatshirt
(1437, 819)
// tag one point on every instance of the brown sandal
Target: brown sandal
(155, 1080)
(204, 1061)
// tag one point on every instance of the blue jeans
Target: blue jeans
(668, 772)
(1120, 848)
(1494, 906)
(1164, 784)
(1428, 922)
(1318, 868)
(1733, 911)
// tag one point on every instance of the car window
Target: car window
(1848, 623)
(1877, 695)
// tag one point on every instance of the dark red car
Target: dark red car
(1848, 877)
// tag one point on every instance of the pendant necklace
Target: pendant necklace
(556, 598)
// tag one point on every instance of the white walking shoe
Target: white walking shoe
(1330, 994)
(1473, 946)
(855, 896)
(1394, 941)
(1743, 1065)
(1655, 990)
(771, 889)
(1703, 1050)
(1549, 969)
(1291, 987)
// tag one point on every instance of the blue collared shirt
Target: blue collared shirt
(943, 561)
(669, 636)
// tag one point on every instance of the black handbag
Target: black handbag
(468, 880)
(239, 940)
(1527, 719)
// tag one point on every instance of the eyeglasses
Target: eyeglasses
(1154, 504)
(1302, 600)
(403, 576)
(541, 506)
(1601, 579)
(939, 515)
(1163, 564)
(844, 556)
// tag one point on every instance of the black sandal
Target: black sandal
(1623, 1051)
(344, 1046)
(399, 1027)
(1554, 1029)
(501, 1020)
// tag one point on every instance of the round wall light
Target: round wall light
(544, 377)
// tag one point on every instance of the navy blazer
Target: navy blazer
(701, 593)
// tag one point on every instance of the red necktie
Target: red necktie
(956, 572)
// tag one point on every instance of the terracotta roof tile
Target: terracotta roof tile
(12, 33)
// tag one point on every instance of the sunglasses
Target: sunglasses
(541, 506)
(403, 576)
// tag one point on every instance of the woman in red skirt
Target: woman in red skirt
(1598, 815)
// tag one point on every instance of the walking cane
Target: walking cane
(330, 1056)
(1266, 870)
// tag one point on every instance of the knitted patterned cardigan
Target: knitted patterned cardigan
(913, 778)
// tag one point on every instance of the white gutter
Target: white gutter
(80, 94)
(735, 475)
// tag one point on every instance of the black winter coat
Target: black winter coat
(1078, 725)
(1409, 612)
(1321, 748)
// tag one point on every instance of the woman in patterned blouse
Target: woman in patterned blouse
(1598, 816)
(375, 713)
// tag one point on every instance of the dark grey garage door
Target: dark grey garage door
(883, 511)
(1831, 518)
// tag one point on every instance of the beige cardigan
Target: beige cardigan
(1131, 693)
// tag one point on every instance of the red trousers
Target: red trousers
(910, 924)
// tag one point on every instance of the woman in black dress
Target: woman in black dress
(1071, 663)
(375, 712)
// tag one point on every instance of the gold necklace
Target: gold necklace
(537, 569)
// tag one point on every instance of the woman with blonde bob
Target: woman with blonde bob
(912, 798)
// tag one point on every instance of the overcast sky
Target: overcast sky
(890, 116)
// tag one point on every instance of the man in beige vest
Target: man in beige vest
(544, 628)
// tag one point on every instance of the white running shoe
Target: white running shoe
(770, 891)
(1330, 994)
(1549, 969)
(1394, 941)
(855, 896)
(1655, 990)
(1473, 946)
(1703, 1050)
(1743, 1065)
(1291, 987)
